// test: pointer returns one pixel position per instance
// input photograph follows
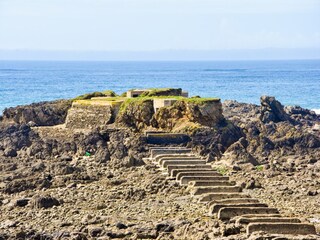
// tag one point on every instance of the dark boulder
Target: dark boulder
(273, 111)
(44, 202)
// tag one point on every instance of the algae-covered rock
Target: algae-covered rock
(106, 93)
(162, 92)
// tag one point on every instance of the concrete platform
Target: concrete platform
(227, 213)
(209, 173)
(217, 206)
(165, 163)
(282, 228)
(219, 196)
(185, 180)
(220, 189)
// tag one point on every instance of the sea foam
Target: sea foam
(317, 111)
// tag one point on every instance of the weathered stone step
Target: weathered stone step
(219, 196)
(201, 183)
(235, 219)
(158, 151)
(185, 180)
(165, 163)
(166, 138)
(187, 167)
(175, 172)
(158, 157)
(209, 173)
(161, 160)
(217, 206)
(247, 220)
(282, 228)
(220, 189)
(227, 213)
(233, 201)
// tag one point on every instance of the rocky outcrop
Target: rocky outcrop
(271, 131)
(40, 114)
(15, 137)
(186, 115)
(272, 110)
(136, 114)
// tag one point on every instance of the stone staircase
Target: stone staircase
(225, 200)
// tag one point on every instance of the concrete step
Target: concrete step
(201, 183)
(217, 206)
(158, 157)
(282, 228)
(187, 167)
(227, 213)
(209, 173)
(220, 196)
(158, 151)
(220, 189)
(246, 220)
(167, 138)
(185, 180)
(160, 161)
(175, 172)
(233, 201)
(275, 215)
(165, 163)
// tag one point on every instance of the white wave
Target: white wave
(317, 111)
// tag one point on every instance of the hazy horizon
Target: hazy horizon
(164, 55)
(159, 29)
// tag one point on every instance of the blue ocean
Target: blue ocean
(291, 82)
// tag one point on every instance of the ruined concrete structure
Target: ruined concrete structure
(99, 111)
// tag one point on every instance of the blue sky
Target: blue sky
(153, 25)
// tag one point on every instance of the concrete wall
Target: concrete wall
(159, 103)
(81, 116)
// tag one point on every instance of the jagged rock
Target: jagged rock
(22, 202)
(237, 154)
(120, 225)
(272, 110)
(44, 202)
(18, 185)
(102, 155)
(9, 152)
(42, 114)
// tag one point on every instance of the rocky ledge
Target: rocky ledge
(75, 169)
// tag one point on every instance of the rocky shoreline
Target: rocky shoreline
(62, 182)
